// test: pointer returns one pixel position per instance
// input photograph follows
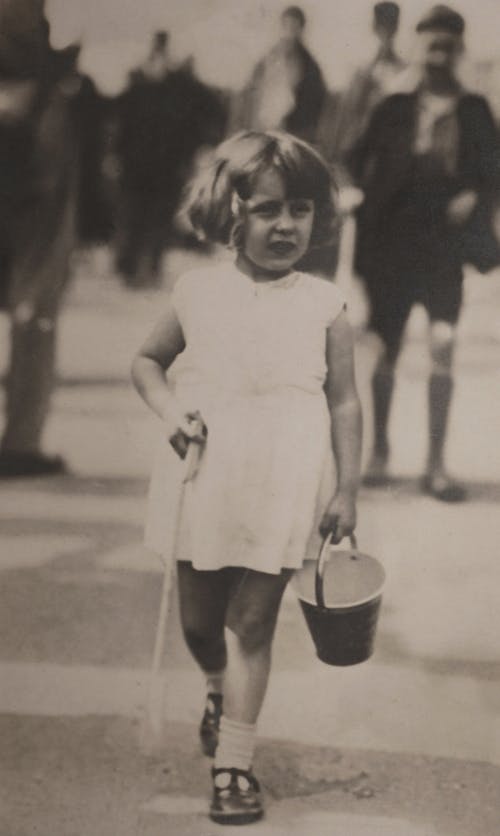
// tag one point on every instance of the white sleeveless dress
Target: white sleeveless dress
(254, 366)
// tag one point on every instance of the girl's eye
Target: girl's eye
(272, 209)
(300, 210)
(267, 210)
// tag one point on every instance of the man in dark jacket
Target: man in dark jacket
(429, 166)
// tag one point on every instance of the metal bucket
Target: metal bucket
(340, 595)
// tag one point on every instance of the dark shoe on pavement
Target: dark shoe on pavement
(16, 464)
(236, 798)
(376, 475)
(442, 487)
(209, 727)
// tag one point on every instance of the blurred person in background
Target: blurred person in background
(163, 118)
(93, 115)
(371, 83)
(142, 131)
(429, 166)
(349, 118)
(286, 90)
(38, 178)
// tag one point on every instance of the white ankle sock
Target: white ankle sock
(236, 744)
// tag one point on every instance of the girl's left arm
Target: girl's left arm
(345, 410)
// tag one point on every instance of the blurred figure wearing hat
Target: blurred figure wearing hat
(429, 166)
(38, 156)
(371, 83)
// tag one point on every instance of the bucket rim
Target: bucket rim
(312, 598)
(358, 603)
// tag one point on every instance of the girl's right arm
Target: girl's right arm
(151, 362)
(343, 401)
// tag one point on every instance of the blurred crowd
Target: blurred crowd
(80, 168)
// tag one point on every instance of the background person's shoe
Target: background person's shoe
(376, 473)
(16, 464)
(236, 797)
(443, 487)
(209, 727)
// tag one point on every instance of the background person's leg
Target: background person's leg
(29, 383)
(390, 306)
(442, 339)
(40, 273)
(440, 392)
(443, 302)
(382, 391)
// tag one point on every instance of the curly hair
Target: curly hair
(214, 197)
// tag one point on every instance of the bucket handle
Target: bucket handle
(321, 564)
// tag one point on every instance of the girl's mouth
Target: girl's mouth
(282, 248)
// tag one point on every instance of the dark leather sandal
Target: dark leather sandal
(209, 727)
(236, 798)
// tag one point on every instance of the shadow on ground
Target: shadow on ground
(97, 486)
(88, 777)
(401, 487)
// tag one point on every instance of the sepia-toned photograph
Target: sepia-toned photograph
(249, 418)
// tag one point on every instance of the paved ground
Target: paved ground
(405, 745)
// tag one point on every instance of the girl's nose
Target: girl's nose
(284, 221)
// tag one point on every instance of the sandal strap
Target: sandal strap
(236, 773)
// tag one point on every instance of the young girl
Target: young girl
(263, 382)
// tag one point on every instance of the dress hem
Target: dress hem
(166, 559)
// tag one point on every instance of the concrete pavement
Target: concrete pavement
(407, 744)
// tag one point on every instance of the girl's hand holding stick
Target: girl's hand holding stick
(185, 431)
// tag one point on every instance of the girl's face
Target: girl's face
(276, 229)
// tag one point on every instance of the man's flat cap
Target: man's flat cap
(442, 19)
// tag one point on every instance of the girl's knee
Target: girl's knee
(209, 649)
(253, 611)
(199, 639)
(193, 637)
(253, 632)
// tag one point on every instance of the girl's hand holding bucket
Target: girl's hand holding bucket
(340, 595)
(339, 519)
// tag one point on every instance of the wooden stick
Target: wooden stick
(152, 726)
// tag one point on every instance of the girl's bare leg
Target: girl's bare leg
(247, 675)
(203, 599)
(251, 620)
